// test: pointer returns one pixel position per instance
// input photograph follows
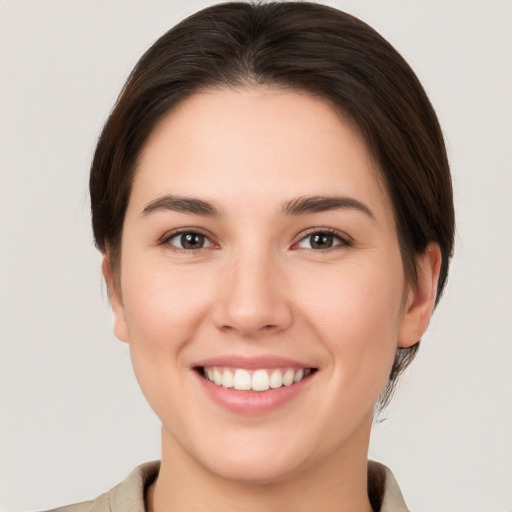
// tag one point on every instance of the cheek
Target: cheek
(357, 314)
(163, 311)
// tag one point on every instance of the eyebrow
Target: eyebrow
(182, 204)
(316, 204)
(298, 206)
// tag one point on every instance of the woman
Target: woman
(272, 198)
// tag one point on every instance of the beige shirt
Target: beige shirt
(128, 496)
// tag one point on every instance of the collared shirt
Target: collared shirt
(128, 496)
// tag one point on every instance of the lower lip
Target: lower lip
(253, 402)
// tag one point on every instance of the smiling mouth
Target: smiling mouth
(257, 380)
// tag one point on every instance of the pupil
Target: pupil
(321, 241)
(192, 241)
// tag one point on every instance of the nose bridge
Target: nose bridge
(253, 299)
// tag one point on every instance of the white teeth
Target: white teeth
(276, 379)
(227, 379)
(242, 380)
(260, 380)
(288, 377)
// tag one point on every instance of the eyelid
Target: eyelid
(181, 231)
(346, 240)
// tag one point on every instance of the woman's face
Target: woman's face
(259, 247)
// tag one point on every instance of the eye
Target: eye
(189, 241)
(321, 240)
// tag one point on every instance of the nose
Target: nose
(252, 299)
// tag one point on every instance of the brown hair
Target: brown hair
(301, 46)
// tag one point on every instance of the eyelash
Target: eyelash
(343, 240)
(183, 232)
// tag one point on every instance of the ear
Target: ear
(116, 300)
(421, 297)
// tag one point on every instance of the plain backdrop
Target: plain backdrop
(73, 422)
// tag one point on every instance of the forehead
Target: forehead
(262, 142)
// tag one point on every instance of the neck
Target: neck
(336, 483)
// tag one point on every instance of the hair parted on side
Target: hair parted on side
(304, 47)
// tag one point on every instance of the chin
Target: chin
(255, 470)
(255, 458)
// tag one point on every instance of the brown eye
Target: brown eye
(192, 241)
(321, 240)
(189, 241)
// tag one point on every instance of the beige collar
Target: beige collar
(129, 494)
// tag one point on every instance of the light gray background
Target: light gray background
(72, 420)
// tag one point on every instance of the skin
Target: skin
(258, 287)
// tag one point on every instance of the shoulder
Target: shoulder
(128, 495)
(385, 495)
(100, 504)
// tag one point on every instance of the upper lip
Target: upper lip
(251, 362)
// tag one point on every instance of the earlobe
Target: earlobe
(421, 297)
(116, 301)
